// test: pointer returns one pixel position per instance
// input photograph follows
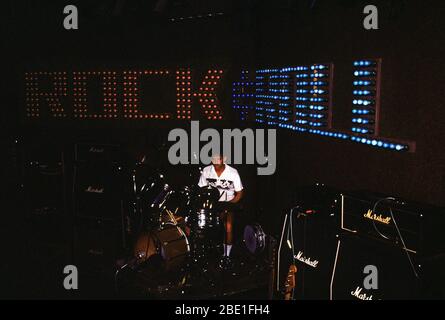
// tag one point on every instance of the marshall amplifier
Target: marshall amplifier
(44, 178)
(98, 204)
(365, 269)
(99, 153)
(418, 228)
(97, 190)
(45, 193)
(98, 243)
(309, 241)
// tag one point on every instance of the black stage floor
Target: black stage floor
(35, 271)
(247, 278)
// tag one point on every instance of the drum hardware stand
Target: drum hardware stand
(196, 270)
(197, 266)
(137, 208)
(131, 263)
(272, 260)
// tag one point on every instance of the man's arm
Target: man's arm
(238, 196)
(238, 188)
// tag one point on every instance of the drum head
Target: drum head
(148, 185)
(179, 202)
(145, 247)
(205, 198)
(170, 244)
(254, 238)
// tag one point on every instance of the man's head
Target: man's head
(218, 161)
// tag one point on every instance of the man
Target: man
(227, 180)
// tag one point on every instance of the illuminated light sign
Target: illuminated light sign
(207, 95)
(269, 87)
(366, 107)
(48, 88)
(296, 98)
(132, 92)
(311, 102)
(384, 144)
(183, 94)
(314, 94)
(110, 95)
(243, 95)
(331, 134)
(82, 103)
(366, 96)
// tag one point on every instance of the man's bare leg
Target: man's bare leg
(228, 221)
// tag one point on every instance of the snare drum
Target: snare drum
(204, 213)
(203, 219)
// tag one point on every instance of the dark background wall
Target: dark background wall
(411, 44)
(257, 34)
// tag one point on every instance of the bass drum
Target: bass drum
(170, 244)
(254, 238)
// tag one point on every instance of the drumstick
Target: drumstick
(172, 217)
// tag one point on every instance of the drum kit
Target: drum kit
(181, 227)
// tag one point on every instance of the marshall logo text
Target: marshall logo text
(359, 295)
(91, 189)
(96, 150)
(378, 218)
(306, 260)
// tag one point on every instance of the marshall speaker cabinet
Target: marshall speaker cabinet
(98, 205)
(45, 193)
(415, 227)
(396, 271)
(401, 243)
(309, 241)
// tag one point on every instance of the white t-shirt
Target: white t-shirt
(227, 183)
